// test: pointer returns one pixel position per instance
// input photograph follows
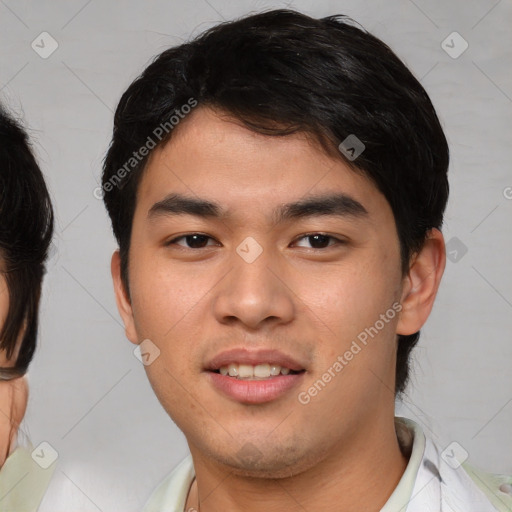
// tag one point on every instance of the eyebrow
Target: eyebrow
(338, 204)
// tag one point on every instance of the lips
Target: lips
(254, 377)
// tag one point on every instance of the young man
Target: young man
(26, 229)
(276, 188)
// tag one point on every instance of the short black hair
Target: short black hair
(281, 72)
(26, 229)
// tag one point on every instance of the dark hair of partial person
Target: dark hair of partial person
(281, 72)
(26, 228)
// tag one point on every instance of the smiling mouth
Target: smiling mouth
(255, 372)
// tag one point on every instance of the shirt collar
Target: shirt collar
(412, 441)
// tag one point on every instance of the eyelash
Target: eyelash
(337, 241)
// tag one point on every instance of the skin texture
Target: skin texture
(308, 302)
(13, 393)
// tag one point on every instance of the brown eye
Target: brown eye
(192, 241)
(319, 241)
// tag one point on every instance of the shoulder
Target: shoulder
(23, 481)
(456, 483)
(497, 488)
(171, 494)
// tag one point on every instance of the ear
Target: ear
(123, 301)
(421, 283)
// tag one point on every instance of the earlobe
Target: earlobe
(122, 300)
(421, 284)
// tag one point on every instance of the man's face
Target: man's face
(211, 301)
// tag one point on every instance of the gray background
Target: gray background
(89, 395)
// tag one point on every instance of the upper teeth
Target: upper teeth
(247, 371)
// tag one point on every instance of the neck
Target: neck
(358, 473)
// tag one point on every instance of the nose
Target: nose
(254, 293)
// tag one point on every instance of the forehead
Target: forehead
(211, 155)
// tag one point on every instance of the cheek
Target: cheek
(4, 307)
(350, 298)
(162, 296)
(4, 301)
(168, 306)
(348, 302)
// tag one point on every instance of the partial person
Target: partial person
(26, 228)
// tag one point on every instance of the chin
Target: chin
(267, 462)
